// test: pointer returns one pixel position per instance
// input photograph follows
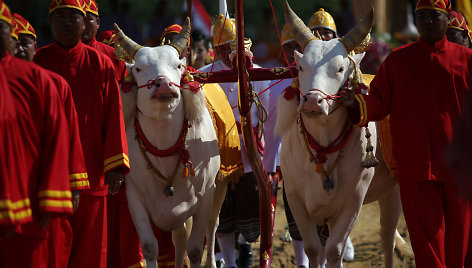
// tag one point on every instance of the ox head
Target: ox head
(324, 66)
(157, 71)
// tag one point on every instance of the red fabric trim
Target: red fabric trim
(322, 151)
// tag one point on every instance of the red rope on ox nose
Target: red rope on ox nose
(150, 83)
(336, 96)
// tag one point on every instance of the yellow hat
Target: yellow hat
(224, 31)
(286, 35)
(322, 19)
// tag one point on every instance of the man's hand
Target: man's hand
(75, 200)
(114, 179)
(349, 99)
(44, 219)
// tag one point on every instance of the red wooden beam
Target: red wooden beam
(255, 74)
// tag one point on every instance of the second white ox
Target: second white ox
(321, 150)
(177, 121)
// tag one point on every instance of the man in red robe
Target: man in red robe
(92, 24)
(422, 86)
(34, 184)
(458, 31)
(61, 231)
(91, 77)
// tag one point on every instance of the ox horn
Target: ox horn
(355, 36)
(181, 40)
(126, 43)
(302, 34)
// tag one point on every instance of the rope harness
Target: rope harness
(179, 148)
(322, 151)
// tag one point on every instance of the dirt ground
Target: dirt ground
(365, 237)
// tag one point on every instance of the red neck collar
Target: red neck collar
(335, 146)
(179, 148)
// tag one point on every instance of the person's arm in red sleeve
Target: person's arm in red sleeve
(376, 105)
(54, 187)
(116, 162)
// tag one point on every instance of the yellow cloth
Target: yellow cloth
(384, 136)
(465, 7)
(226, 131)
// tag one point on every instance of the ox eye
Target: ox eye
(300, 68)
(341, 70)
(180, 66)
(138, 70)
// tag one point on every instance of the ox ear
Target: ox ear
(129, 66)
(183, 61)
(297, 56)
(358, 58)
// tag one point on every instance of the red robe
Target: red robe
(40, 159)
(95, 91)
(422, 87)
(120, 67)
(77, 170)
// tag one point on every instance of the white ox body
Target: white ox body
(161, 111)
(325, 66)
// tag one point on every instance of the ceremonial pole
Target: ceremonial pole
(249, 143)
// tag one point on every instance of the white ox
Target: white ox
(324, 67)
(171, 201)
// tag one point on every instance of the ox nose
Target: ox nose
(164, 89)
(312, 102)
(163, 82)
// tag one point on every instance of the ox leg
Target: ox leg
(340, 228)
(307, 228)
(179, 238)
(201, 221)
(219, 197)
(142, 222)
(390, 209)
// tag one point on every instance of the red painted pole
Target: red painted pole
(256, 74)
(249, 143)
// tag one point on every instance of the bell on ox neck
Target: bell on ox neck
(169, 190)
(328, 184)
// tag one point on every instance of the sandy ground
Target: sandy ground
(365, 237)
